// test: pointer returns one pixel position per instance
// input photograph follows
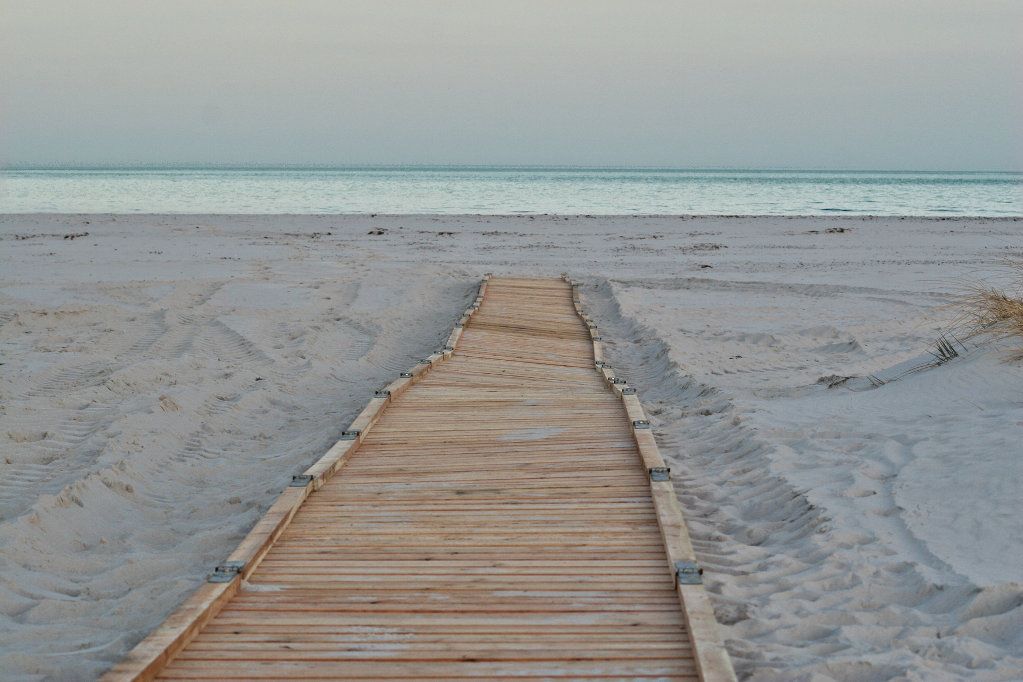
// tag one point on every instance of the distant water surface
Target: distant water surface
(504, 190)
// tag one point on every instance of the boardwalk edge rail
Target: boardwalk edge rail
(150, 655)
(711, 656)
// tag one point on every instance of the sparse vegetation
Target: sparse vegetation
(943, 349)
(996, 312)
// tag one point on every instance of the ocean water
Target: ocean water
(508, 190)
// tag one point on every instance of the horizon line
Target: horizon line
(473, 166)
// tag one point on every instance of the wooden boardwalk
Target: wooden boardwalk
(501, 512)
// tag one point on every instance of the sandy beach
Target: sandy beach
(854, 503)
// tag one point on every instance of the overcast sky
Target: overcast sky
(910, 84)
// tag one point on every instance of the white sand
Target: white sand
(164, 376)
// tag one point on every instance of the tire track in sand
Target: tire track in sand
(800, 594)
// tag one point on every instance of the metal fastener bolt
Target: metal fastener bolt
(688, 573)
(660, 473)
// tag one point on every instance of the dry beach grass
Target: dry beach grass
(997, 312)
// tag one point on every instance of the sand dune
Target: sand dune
(164, 376)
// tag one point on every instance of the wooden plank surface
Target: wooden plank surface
(495, 520)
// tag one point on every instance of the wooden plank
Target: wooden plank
(146, 659)
(711, 656)
(493, 519)
(153, 653)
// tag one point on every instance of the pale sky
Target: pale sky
(867, 84)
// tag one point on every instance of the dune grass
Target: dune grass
(996, 312)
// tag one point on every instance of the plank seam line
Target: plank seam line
(152, 654)
(712, 659)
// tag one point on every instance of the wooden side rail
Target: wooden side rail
(711, 656)
(150, 655)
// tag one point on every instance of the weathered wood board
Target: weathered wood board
(494, 517)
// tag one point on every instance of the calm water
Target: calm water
(510, 190)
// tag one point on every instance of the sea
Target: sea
(509, 190)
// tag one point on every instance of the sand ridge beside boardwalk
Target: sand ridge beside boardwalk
(165, 375)
(161, 385)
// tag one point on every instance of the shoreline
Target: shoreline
(511, 216)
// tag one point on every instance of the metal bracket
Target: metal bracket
(350, 435)
(601, 363)
(225, 572)
(688, 573)
(660, 473)
(640, 423)
(449, 349)
(619, 380)
(405, 375)
(300, 480)
(382, 393)
(598, 338)
(628, 390)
